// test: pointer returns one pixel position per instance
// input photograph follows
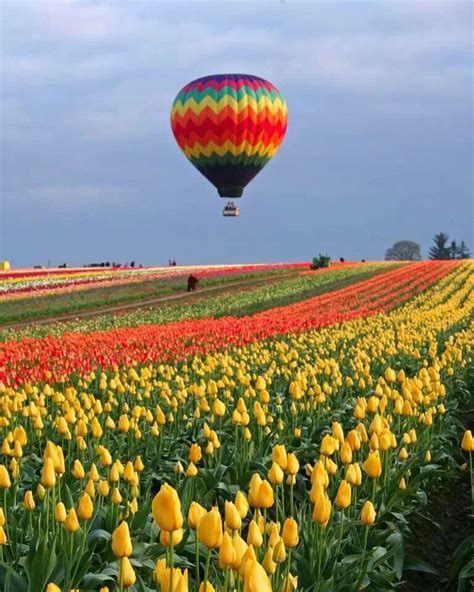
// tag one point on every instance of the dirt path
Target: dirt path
(159, 300)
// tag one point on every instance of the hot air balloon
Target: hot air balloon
(229, 126)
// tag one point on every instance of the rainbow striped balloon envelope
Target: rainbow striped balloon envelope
(229, 126)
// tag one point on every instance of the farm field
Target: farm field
(72, 291)
(277, 436)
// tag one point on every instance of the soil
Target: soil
(437, 532)
(161, 300)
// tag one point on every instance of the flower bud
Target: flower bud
(5, 482)
(28, 501)
(343, 497)
(176, 536)
(293, 466)
(85, 508)
(279, 456)
(195, 513)
(322, 511)
(121, 542)
(372, 465)
(254, 536)
(226, 552)
(128, 574)
(166, 508)
(241, 503)
(256, 579)
(467, 443)
(233, 519)
(60, 513)
(275, 474)
(367, 516)
(209, 529)
(71, 524)
(290, 533)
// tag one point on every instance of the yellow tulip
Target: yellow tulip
(240, 548)
(279, 456)
(233, 520)
(467, 443)
(28, 501)
(290, 533)
(71, 524)
(293, 466)
(372, 465)
(226, 552)
(268, 564)
(367, 515)
(5, 482)
(322, 511)
(60, 513)
(48, 475)
(166, 537)
(209, 529)
(78, 470)
(343, 497)
(121, 541)
(85, 508)
(241, 503)
(166, 509)
(254, 536)
(195, 453)
(195, 513)
(127, 573)
(191, 471)
(256, 579)
(275, 474)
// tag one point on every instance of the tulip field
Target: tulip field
(275, 438)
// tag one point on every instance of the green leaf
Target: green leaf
(41, 563)
(467, 571)
(94, 580)
(10, 580)
(416, 564)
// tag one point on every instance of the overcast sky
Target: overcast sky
(379, 144)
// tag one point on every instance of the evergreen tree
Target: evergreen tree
(453, 250)
(439, 250)
(463, 252)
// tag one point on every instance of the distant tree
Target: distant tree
(440, 250)
(453, 250)
(404, 250)
(462, 251)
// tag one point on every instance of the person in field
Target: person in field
(192, 283)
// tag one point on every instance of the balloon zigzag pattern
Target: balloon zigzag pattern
(229, 126)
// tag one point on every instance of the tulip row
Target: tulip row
(53, 281)
(279, 465)
(66, 355)
(232, 302)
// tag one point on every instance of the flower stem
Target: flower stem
(206, 571)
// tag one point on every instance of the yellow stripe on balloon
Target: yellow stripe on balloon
(273, 105)
(245, 147)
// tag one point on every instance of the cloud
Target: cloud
(69, 20)
(378, 94)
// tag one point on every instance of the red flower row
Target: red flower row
(60, 357)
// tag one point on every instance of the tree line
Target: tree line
(442, 248)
